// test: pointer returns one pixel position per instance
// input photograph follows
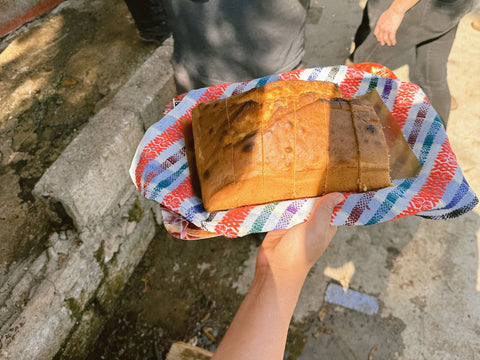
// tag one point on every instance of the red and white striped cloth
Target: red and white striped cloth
(439, 191)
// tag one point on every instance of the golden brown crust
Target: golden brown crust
(286, 140)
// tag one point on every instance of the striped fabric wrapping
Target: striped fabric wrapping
(439, 191)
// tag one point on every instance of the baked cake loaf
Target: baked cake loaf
(286, 140)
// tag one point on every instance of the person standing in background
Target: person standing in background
(150, 19)
(428, 27)
(219, 41)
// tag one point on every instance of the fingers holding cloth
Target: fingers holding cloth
(291, 253)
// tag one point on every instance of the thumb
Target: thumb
(323, 210)
(320, 233)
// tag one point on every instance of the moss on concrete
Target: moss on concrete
(136, 212)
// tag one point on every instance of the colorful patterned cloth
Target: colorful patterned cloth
(439, 191)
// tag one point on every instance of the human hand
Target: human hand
(387, 26)
(259, 329)
(289, 254)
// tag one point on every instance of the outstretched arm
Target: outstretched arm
(390, 20)
(259, 329)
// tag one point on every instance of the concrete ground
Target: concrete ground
(423, 275)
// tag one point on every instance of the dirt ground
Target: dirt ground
(56, 71)
(181, 291)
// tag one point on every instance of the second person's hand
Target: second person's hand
(387, 26)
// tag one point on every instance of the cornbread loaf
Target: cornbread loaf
(286, 140)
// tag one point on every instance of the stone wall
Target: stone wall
(54, 303)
